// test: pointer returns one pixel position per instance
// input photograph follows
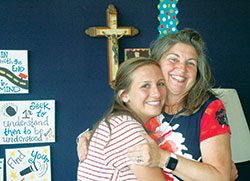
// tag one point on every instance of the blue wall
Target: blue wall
(70, 67)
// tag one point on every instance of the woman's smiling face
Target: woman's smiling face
(147, 93)
(179, 67)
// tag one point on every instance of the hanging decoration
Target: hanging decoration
(136, 52)
(167, 17)
(113, 33)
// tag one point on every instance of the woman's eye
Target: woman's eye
(173, 60)
(192, 63)
(145, 86)
(161, 84)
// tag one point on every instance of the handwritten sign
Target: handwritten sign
(32, 163)
(1, 169)
(14, 72)
(27, 121)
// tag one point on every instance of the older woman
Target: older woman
(193, 133)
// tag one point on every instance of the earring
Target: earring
(125, 99)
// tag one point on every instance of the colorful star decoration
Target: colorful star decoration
(45, 150)
(167, 17)
(13, 175)
(32, 177)
(12, 153)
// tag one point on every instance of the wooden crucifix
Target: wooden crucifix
(113, 33)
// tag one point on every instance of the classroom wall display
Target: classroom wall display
(27, 121)
(1, 168)
(136, 52)
(14, 72)
(32, 163)
(167, 17)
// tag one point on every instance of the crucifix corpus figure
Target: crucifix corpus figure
(113, 33)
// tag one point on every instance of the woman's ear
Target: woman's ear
(123, 96)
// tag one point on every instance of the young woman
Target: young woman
(140, 94)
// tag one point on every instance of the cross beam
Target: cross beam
(113, 33)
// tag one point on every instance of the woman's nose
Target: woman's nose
(155, 91)
(182, 66)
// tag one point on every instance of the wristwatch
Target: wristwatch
(171, 163)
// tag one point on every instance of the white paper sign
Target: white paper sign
(14, 72)
(27, 121)
(32, 163)
(1, 169)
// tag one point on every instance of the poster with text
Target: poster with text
(32, 163)
(14, 72)
(27, 121)
(1, 169)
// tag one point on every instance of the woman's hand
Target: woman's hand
(82, 145)
(147, 154)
